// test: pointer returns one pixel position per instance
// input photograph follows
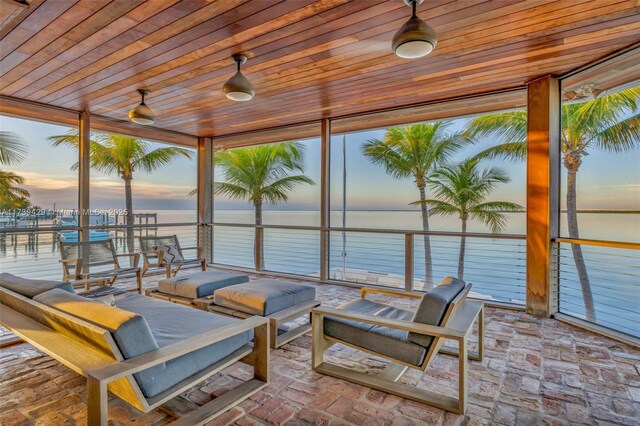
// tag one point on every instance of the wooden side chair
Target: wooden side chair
(164, 254)
(407, 339)
(75, 256)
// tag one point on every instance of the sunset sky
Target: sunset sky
(605, 181)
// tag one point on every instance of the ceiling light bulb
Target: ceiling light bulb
(415, 38)
(142, 114)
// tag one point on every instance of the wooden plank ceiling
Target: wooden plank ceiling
(307, 59)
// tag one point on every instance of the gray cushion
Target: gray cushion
(383, 340)
(28, 287)
(433, 306)
(264, 296)
(130, 331)
(199, 284)
(170, 323)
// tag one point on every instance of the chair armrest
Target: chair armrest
(77, 267)
(410, 326)
(147, 360)
(199, 250)
(135, 260)
(157, 254)
(386, 292)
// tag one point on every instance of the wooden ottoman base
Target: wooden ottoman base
(277, 319)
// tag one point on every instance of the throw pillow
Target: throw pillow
(170, 253)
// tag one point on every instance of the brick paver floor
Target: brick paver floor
(536, 371)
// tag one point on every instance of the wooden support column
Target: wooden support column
(205, 197)
(543, 183)
(325, 208)
(408, 262)
(84, 175)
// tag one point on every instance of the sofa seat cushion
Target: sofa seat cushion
(264, 296)
(170, 323)
(433, 306)
(30, 288)
(384, 340)
(199, 284)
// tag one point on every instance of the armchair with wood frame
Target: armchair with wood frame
(77, 259)
(155, 260)
(407, 339)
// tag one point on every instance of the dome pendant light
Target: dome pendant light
(142, 114)
(238, 88)
(415, 38)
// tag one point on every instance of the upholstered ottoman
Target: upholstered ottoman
(280, 301)
(186, 288)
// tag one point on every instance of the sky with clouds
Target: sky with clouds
(606, 180)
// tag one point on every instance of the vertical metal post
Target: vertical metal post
(543, 183)
(205, 197)
(84, 174)
(408, 262)
(325, 209)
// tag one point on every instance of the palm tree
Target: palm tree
(414, 152)
(12, 151)
(261, 174)
(124, 156)
(462, 189)
(609, 123)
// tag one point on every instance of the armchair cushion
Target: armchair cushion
(386, 341)
(433, 306)
(30, 288)
(171, 254)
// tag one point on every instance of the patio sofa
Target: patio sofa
(144, 351)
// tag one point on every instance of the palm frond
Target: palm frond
(621, 136)
(516, 151)
(230, 190)
(12, 148)
(150, 161)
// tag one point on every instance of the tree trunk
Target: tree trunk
(128, 197)
(258, 245)
(572, 224)
(463, 242)
(428, 267)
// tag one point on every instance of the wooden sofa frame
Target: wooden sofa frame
(457, 325)
(169, 269)
(275, 320)
(91, 351)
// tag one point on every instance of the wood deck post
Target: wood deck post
(408, 262)
(205, 197)
(97, 408)
(543, 183)
(84, 175)
(325, 209)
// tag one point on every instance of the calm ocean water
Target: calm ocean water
(495, 266)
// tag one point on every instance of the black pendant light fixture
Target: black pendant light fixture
(238, 88)
(415, 38)
(142, 114)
